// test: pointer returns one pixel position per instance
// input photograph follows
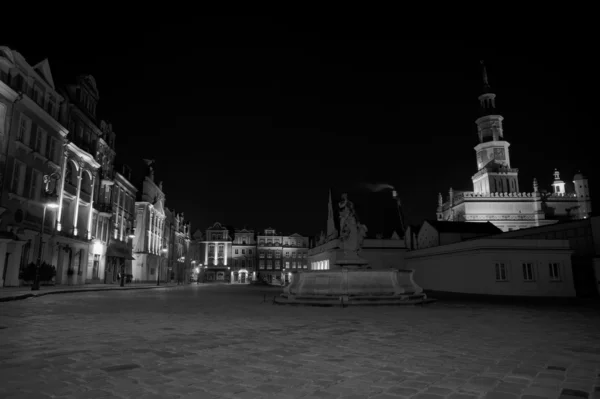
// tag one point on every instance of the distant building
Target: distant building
(496, 196)
(181, 247)
(196, 256)
(150, 253)
(279, 255)
(217, 254)
(433, 233)
(244, 257)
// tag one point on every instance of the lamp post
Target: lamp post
(52, 204)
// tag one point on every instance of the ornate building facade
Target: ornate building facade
(497, 197)
(32, 139)
(150, 255)
(217, 254)
(177, 241)
(244, 257)
(279, 255)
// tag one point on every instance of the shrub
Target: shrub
(46, 273)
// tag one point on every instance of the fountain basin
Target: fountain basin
(350, 286)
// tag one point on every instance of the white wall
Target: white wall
(469, 267)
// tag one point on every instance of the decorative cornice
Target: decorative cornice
(7, 92)
(83, 155)
(127, 182)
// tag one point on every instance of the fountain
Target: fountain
(352, 283)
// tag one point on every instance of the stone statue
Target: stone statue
(352, 233)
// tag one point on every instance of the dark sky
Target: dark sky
(251, 122)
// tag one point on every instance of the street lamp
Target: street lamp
(51, 203)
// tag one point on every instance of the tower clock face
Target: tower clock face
(499, 154)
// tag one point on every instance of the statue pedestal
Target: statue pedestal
(352, 285)
(352, 262)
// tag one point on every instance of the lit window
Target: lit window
(287, 265)
(528, 272)
(554, 269)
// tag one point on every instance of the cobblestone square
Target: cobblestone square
(212, 341)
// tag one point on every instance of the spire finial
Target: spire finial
(486, 84)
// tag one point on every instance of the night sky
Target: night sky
(251, 122)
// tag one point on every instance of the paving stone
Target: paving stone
(463, 396)
(210, 347)
(427, 396)
(404, 391)
(541, 391)
(501, 395)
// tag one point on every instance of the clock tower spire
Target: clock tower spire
(495, 174)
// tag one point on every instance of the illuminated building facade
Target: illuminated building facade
(217, 254)
(32, 140)
(279, 255)
(149, 253)
(177, 241)
(244, 257)
(496, 196)
(112, 232)
(196, 256)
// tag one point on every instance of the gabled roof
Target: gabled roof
(217, 226)
(43, 69)
(295, 235)
(464, 227)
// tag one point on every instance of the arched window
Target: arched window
(86, 182)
